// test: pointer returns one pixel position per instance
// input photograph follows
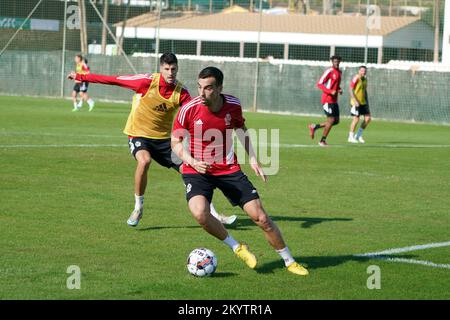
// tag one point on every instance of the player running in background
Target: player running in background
(330, 84)
(208, 122)
(359, 105)
(81, 87)
(158, 97)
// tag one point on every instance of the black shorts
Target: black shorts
(360, 111)
(331, 110)
(81, 87)
(159, 149)
(235, 186)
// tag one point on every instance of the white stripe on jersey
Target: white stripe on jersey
(136, 77)
(186, 107)
(232, 100)
(325, 74)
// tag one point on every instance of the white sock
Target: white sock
(139, 202)
(75, 105)
(233, 244)
(80, 104)
(90, 102)
(360, 132)
(351, 135)
(286, 255)
(213, 211)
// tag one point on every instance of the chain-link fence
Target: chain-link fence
(293, 41)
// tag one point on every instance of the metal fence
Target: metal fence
(272, 52)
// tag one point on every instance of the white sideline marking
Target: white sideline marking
(406, 249)
(384, 255)
(413, 261)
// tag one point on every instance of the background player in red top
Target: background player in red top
(210, 162)
(149, 123)
(330, 84)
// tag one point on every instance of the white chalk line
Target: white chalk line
(384, 255)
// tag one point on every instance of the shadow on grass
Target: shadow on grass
(223, 274)
(305, 222)
(320, 262)
(245, 223)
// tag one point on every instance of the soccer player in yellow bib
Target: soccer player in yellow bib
(359, 105)
(157, 99)
(81, 87)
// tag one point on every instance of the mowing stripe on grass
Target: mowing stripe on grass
(260, 145)
(62, 145)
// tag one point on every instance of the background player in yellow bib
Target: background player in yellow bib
(157, 99)
(359, 105)
(81, 87)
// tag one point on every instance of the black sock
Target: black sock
(323, 139)
(317, 126)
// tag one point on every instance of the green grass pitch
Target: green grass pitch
(66, 191)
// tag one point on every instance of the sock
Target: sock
(213, 211)
(351, 135)
(317, 126)
(286, 256)
(359, 134)
(80, 104)
(75, 105)
(139, 204)
(233, 244)
(323, 138)
(90, 102)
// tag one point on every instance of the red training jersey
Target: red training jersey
(139, 83)
(328, 82)
(210, 134)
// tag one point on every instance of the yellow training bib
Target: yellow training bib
(360, 91)
(151, 116)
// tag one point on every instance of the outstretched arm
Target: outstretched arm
(138, 82)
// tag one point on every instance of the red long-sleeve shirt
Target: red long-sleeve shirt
(330, 81)
(139, 83)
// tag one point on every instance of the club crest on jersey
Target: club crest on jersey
(228, 119)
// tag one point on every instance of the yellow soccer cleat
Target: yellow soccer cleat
(297, 269)
(244, 254)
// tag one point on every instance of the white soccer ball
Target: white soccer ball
(201, 262)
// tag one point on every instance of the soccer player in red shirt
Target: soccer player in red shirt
(330, 84)
(208, 122)
(150, 121)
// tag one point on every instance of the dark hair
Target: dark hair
(79, 56)
(168, 58)
(362, 67)
(212, 72)
(336, 57)
(85, 60)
